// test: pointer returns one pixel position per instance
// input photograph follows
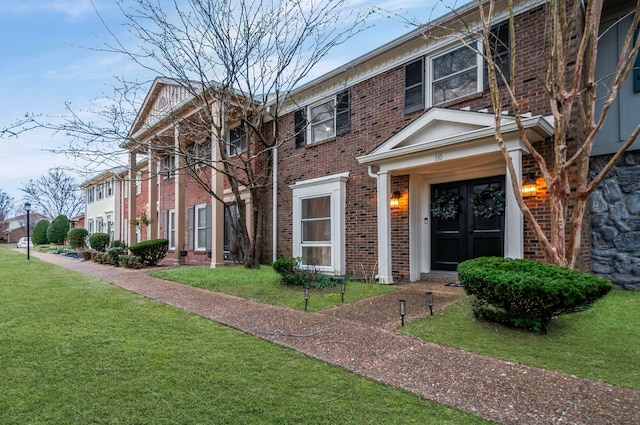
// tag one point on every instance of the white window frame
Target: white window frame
(335, 187)
(100, 191)
(171, 229)
(201, 151)
(198, 244)
(232, 148)
(110, 187)
(90, 226)
(91, 195)
(169, 166)
(331, 122)
(429, 69)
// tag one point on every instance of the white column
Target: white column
(131, 210)
(152, 193)
(218, 136)
(179, 186)
(514, 219)
(384, 229)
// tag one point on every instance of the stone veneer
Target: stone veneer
(615, 222)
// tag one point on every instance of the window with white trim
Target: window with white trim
(199, 153)
(319, 216)
(99, 191)
(200, 228)
(316, 240)
(110, 187)
(237, 141)
(90, 195)
(171, 229)
(454, 74)
(90, 226)
(169, 166)
(323, 120)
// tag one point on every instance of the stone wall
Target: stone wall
(615, 222)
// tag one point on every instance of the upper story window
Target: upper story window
(99, 191)
(237, 141)
(455, 73)
(110, 184)
(323, 120)
(90, 195)
(200, 153)
(169, 166)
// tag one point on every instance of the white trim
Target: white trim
(310, 123)
(196, 239)
(335, 187)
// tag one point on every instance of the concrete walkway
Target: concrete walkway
(502, 391)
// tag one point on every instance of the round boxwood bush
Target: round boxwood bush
(57, 230)
(39, 234)
(77, 237)
(99, 241)
(151, 251)
(526, 293)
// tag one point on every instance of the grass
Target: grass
(602, 343)
(74, 349)
(263, 285)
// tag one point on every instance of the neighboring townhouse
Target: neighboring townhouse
(16, 227)
(103, 205)
(381, 145)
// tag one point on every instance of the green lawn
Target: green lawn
(602, 343)
(263, 285)
(75, 350)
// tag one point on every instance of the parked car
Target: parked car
(22, 242)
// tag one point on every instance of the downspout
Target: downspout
(274, 212)
(274, 230)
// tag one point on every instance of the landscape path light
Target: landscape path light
(429, 296)
(306, 297)
(403, 310)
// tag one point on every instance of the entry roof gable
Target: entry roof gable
(441, 127)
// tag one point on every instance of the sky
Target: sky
(51, 56)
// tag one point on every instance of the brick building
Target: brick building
(378, 148)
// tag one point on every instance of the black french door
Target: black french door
(467, 235)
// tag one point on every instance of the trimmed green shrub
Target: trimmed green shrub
(118, 244)
(292, 274)
(58, 229)
(99, 241)
(39, 234)
(77, 237)
(98, 257)
(526, 293)
(113, 256)
(151, 251)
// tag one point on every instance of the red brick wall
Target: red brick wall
(377, 114)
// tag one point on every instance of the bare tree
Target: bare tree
(571, 96)
(239, 61)
(6, 206)
(54, 193)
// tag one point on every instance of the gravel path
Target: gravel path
(359, 338)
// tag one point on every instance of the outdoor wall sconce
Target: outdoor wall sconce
(403, 310)
(429, 296)
(306, 297)
(394, 202)
(529, 186)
